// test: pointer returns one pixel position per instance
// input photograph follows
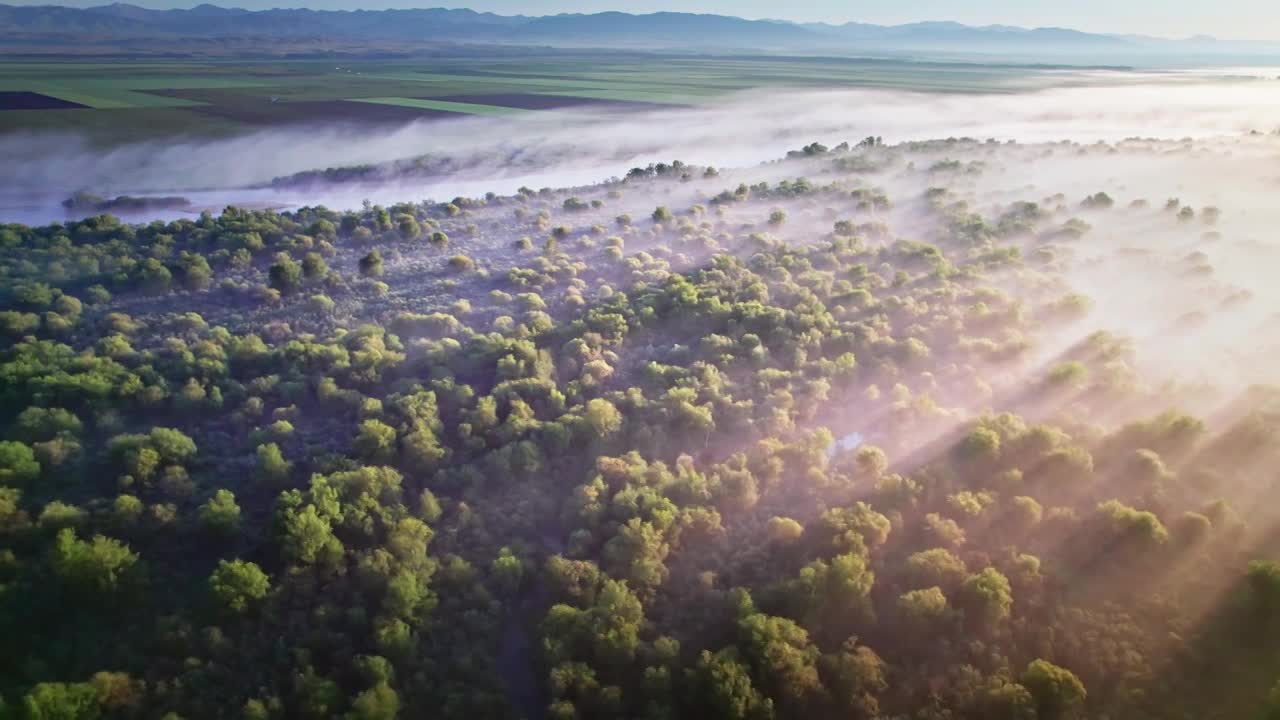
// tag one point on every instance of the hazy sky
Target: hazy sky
(1242, 19)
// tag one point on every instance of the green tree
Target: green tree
(987, 597)
(379, 702)
(273, 468)
(61, 701)
(937, 567)
(921, 608)
(428, 506)
(285, 274)
(783, 530)
(602, 418)
(507, 572)
(18, 465)
(637, 553)
(238, 584)
(854, 677)
(195, 271)
(314, 266)
(172, 445)
(309, 539)
(117, 692)
(725, 689)
(376, 441)
(126, 510)
(851, 528)
(371, 264)
(783, 658)
(192, 396)
(37, 424)
(1058, 692)
(153, 276)
(1008, 701)
(408, 227)
(221, 513)
(102, 565)
(422, 449)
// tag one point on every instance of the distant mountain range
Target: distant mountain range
(666, 30)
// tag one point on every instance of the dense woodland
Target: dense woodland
(757, 451)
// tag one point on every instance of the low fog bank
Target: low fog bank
(1172, 244)
(578, 146)
(1168, 245)
(1178, 259)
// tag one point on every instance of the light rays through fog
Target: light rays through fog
(568, 148)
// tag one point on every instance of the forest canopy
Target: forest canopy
(848, 443)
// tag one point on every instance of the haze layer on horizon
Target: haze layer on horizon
(1257, 20)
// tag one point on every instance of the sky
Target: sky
(1228, 19)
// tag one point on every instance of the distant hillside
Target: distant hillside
(211, 21)
(956, 35)
(663, 30)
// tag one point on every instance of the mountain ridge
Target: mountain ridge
(601, 29)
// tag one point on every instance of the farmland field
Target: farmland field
(19, 100)
(129, 99)
(465, 108)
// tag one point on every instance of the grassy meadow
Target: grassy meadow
(121, 100)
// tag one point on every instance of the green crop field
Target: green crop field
(108, 98)
(445, 105)
(131, 99)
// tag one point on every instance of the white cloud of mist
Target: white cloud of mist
(1216, 326)
(1199, 299)
(579, 145)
